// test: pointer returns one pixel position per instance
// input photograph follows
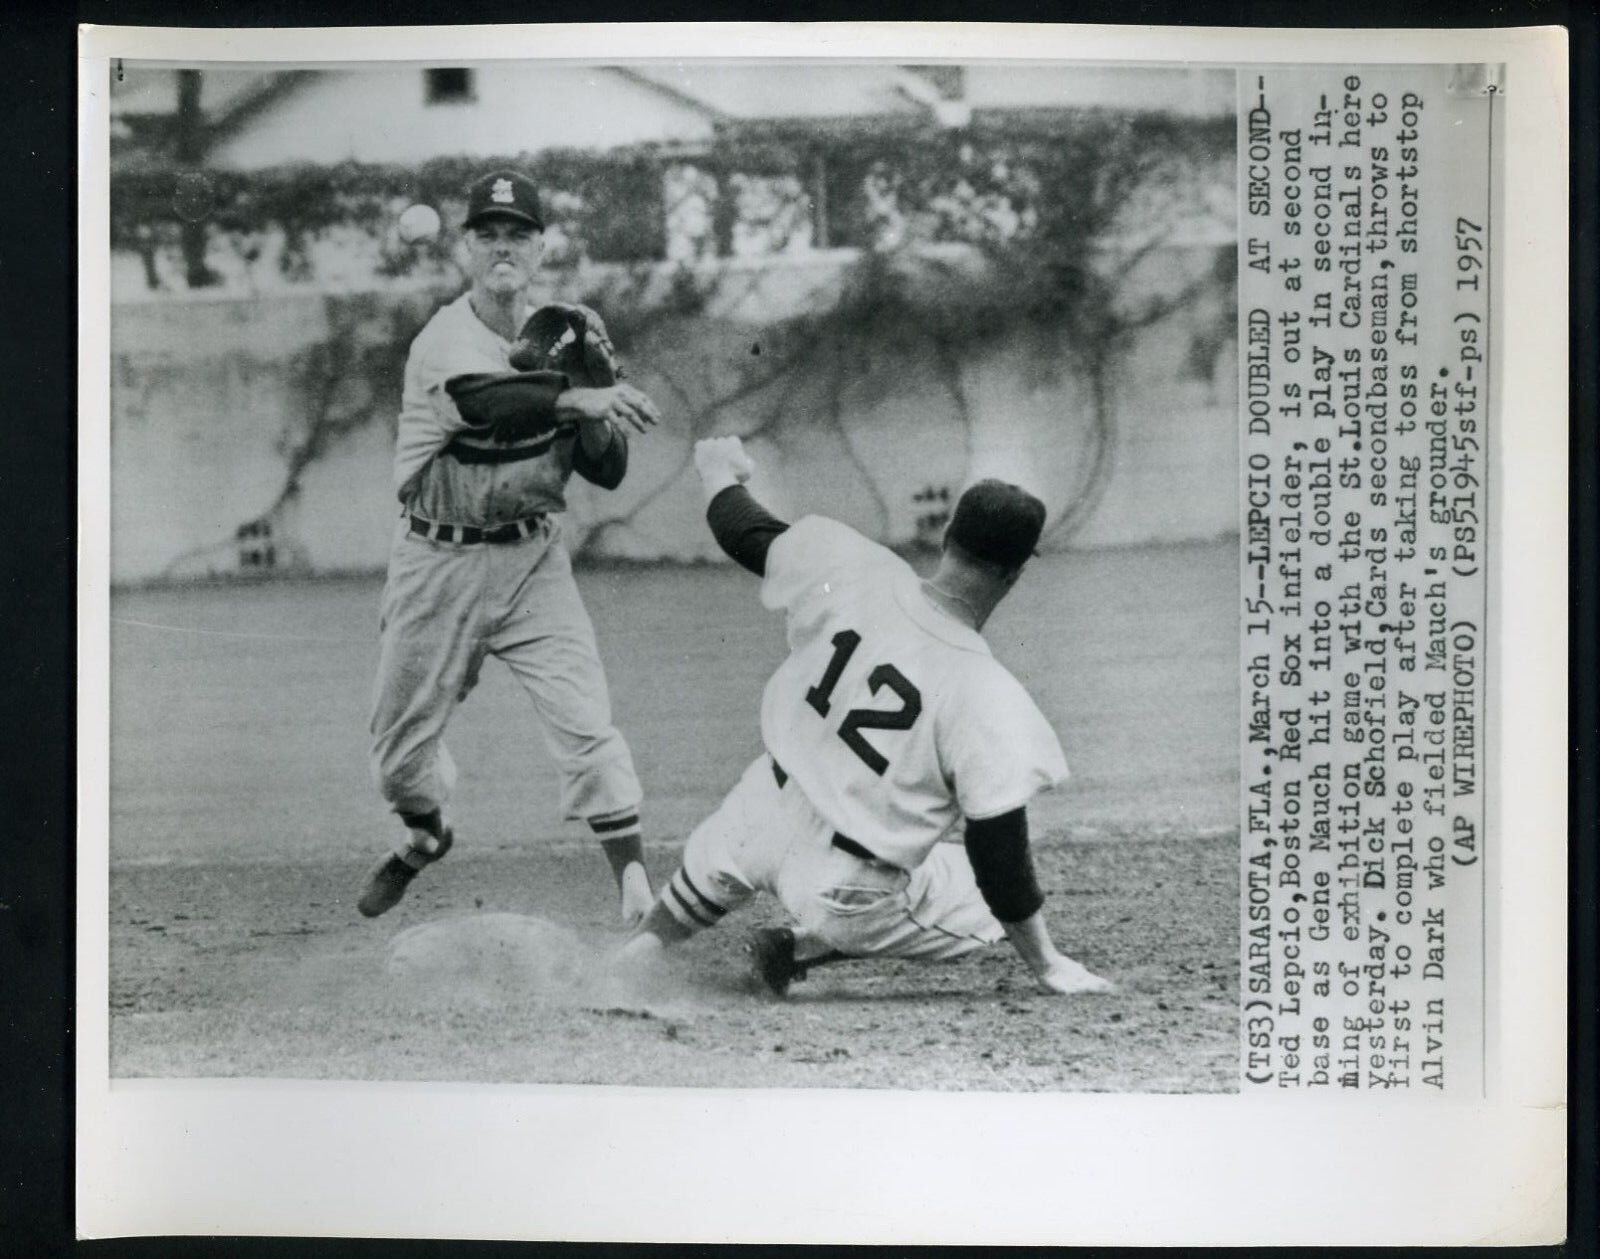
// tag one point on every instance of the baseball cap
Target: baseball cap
(998, 522)
(503, 194)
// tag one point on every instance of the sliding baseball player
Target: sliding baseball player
(889, 729)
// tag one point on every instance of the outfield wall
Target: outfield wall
(210, 399)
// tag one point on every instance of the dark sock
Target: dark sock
(621, 853)
(431, 821)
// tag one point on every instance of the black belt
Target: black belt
(471, 534)
(842, 842)
(845, 844)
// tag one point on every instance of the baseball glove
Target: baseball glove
(556, 341)
(569, 339)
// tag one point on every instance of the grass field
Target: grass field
(243, 819)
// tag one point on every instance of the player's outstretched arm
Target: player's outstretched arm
(1002, 864)
(1056, 972)
(742, 527)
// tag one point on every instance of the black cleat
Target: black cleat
(772, 959)
(387, 883)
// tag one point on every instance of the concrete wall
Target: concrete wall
(210, 401)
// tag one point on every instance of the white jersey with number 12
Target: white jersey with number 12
(893, 717)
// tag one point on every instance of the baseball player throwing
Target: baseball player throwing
(489, 433)
(889, 728)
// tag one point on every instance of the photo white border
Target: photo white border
(484, 1161)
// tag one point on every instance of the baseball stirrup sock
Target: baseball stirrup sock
(620, 840)
(691, 907)
(432, 822)
(424, 835)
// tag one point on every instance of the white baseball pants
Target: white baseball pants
(446, 606)
(764, 837)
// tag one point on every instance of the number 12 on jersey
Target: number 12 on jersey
(856, 720)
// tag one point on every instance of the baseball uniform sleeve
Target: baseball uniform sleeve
(743, 527)
(608, 467)
(428, 418)
(512, 405)
(997, 748)
(811, 552)
(1002, 865)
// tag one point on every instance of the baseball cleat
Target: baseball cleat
(772, 959)
(387, 883)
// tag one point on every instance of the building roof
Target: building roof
(761, 91)
(1190, 91)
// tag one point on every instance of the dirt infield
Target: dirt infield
(244, 819)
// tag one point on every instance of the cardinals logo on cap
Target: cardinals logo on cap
(503, 194)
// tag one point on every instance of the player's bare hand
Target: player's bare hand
(721, 462)
(620, 404)
(1065, 978)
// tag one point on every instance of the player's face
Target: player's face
(504, 254)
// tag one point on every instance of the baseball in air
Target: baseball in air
(419, 223)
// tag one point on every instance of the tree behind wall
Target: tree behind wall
(190, 151)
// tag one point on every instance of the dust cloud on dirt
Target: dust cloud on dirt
(490, 959)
